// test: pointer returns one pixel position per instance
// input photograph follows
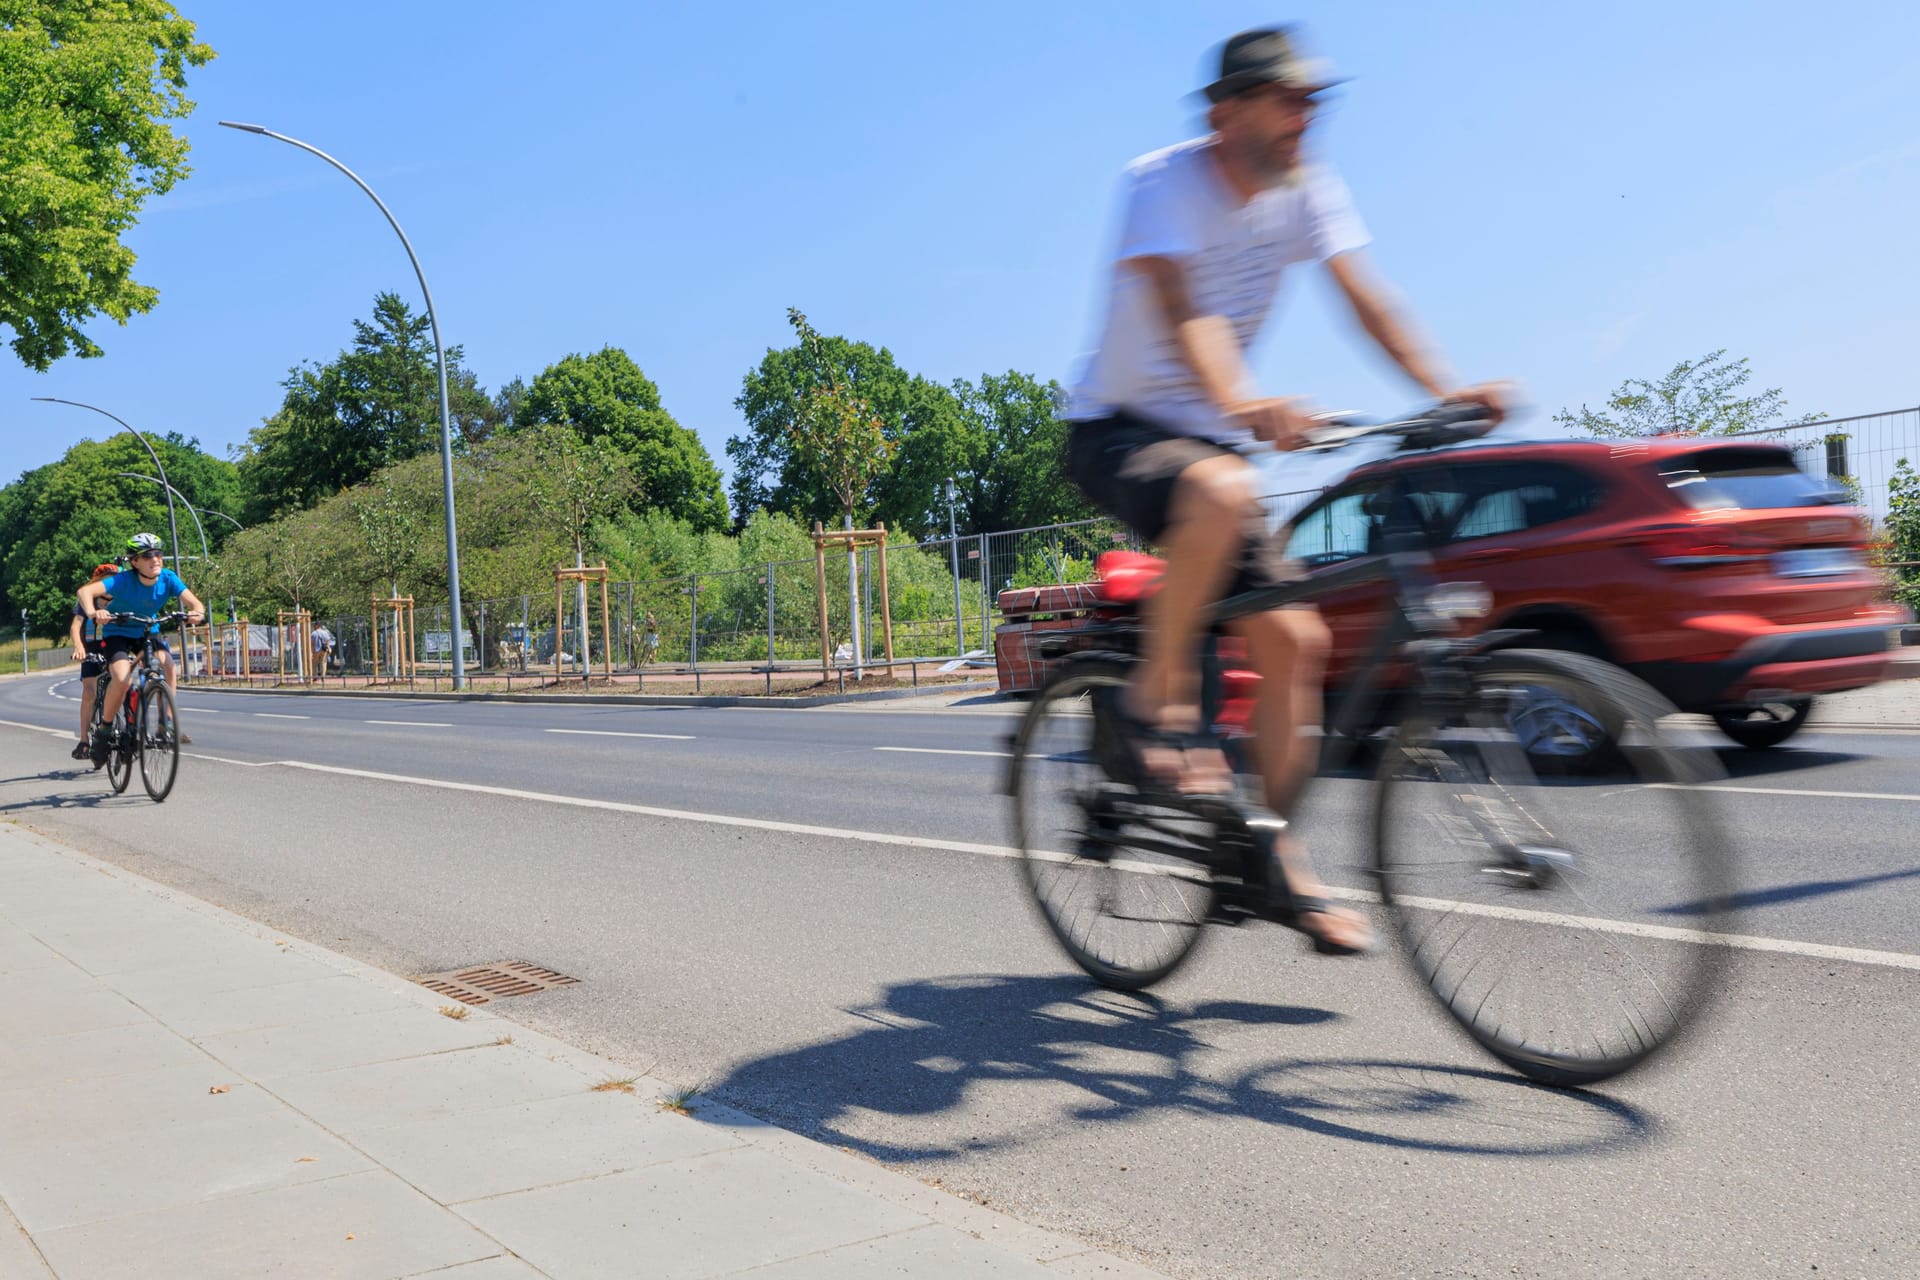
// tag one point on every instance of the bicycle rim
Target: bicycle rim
(120, 758)
(159, 743)
(1563, 922)
(1106, 871)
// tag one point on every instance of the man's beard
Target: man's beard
(1266, 164)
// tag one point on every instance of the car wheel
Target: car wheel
(1767, 725)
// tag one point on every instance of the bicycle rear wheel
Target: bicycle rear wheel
(120, 756)
(1122, 884)
(1562, 921)
(159, 742)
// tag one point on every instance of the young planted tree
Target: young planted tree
(1903, 533)
(572, 482)
(844, 441)
(1695, 398)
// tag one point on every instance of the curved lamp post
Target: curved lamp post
(440, 356)
(205, 555)
(173, 529)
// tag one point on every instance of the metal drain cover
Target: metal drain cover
(485, 983)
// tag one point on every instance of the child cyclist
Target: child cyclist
(143, 590)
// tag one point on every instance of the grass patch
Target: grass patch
(677, 1101)
(458, 1012)
(623, 1084)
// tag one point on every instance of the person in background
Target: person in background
(88, 651)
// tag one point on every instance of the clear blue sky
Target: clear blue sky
(1567, 194)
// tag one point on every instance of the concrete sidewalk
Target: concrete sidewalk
(186, 1094)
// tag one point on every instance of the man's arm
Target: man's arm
(195, 609)
(1209, 347)
(76, 639)
(88, 597)
(1375, 308)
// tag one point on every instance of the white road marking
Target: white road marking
(414, 724)
(1788, 791)
(946, 751)
(277, 715)
(614, 733)
(1854, 955)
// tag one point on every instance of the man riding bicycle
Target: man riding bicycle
(144, 590)
(1165, 403)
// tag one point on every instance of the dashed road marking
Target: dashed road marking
(616, 733)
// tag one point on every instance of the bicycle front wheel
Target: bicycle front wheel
(1565, 922)
(1121, 884)
(120, 756)
(159, 742)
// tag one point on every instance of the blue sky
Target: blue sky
(1569, 195)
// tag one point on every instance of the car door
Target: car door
(1517, 531)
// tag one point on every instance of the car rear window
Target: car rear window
(1746, 479)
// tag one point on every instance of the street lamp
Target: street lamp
(440, 357)
(953, 545)
(172, 492)
(173, 529)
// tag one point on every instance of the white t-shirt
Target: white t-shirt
(1178, 206)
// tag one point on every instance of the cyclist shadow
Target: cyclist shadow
(1741, 763)
(937, 1045)
(92, 797)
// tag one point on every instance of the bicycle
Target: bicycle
(145, 728)
(1488, 862)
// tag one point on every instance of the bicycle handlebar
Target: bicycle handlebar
(156, 622)
(1429, 428)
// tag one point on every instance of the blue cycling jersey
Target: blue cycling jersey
(130, 595)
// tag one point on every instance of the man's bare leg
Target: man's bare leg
(1206, 523)
(1288, 647)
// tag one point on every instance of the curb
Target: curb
(617, 699)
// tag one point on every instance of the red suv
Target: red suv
(1716, 570)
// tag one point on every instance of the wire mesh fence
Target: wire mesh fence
(1863, 450)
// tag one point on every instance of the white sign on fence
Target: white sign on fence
(435, 642)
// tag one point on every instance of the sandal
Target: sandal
(1290, 909)
(1135, 737)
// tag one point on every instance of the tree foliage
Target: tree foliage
(1003, 447)
(605, 397)
(836, 431)
(1903, 533)
(59, 520)
(1695, 397)
(572, 482)
(86, 90)
(375, 404)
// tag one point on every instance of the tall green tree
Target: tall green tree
(86, 90)
(770, 473)
(1003, 446)
(1696, 397)
(605, 396)
(836, 431)
(375, 404)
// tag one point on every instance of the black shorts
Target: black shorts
(118, 647)
(93, 664)
(1128, 466)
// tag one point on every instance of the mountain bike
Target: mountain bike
(145, 729)
(1563, 921)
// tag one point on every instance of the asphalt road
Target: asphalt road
(828, 937)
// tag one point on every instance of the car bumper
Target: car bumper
(1777, 665)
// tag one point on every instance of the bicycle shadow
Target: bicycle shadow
(1742, 763)
(91, 798)
(949, 1047)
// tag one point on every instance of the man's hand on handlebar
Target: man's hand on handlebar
(1281, 421)
(1490, 396)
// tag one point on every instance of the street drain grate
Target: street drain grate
(485, 983)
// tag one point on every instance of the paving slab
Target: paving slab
(709, 1216)
(65, 1183)
(196, 1013)
(365, 1226)
(931, 1252)
(267, 1054)
(445, 1084)
(490, 1153)
(52, 1002)
(34, 1062)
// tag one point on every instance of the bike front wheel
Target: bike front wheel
(1121, 883)
(159, 742)
(1565, 922)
